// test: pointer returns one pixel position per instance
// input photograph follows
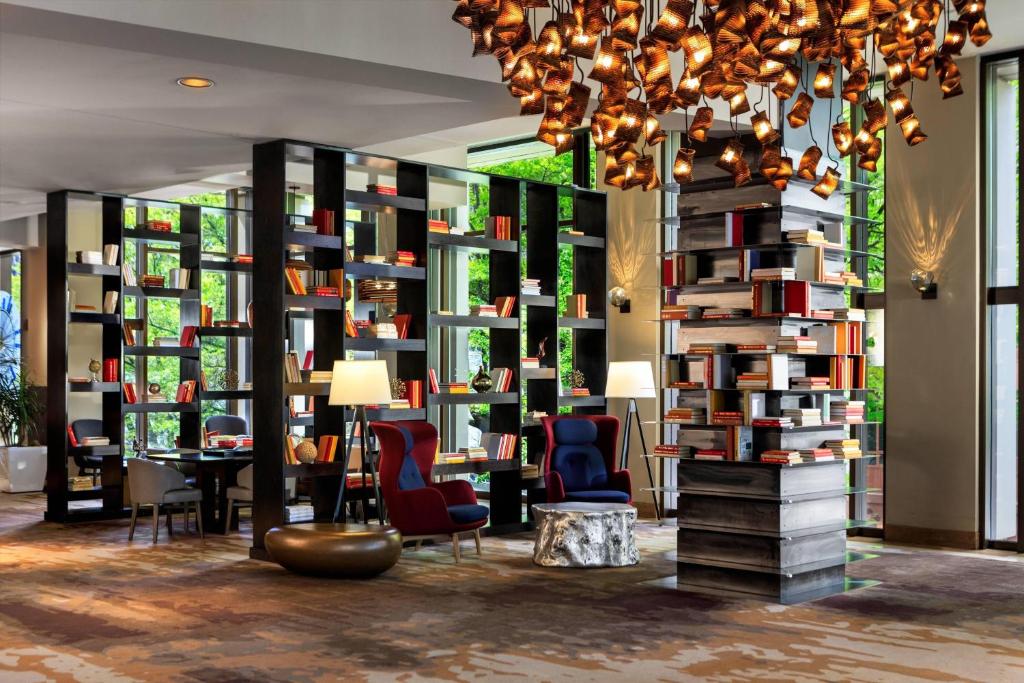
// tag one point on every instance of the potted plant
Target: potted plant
(22, 460)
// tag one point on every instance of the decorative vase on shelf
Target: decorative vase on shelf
(305, 452)
(481, 381)
(248, 314)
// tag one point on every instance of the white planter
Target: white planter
(22, 468)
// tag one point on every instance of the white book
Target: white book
(110, 302)
(110, 252)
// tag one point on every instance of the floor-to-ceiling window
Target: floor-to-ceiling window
(1004, 295)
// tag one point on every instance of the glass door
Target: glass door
(1003, 429)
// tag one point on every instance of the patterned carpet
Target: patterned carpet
(82, 604)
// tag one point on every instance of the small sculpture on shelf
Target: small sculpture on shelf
(305, 452)
(397, 388)
(94, 367)
(541, 350)
(481, 382)
(153, 392)
(230, 380)
(577, 380)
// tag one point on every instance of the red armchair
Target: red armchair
(418, 508)
(580, 462)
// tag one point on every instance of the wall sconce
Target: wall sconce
(618, 298)
(924, 282)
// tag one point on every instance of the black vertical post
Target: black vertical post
(56, 357)
(269, 413)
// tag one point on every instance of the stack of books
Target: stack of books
(399, 404)
(817, 454)
(402, 258)
(298, 513)
(94, 441)
(128, 275)
(781, 457)
(499, 227)
(680, 312)
(803, 417)
(414, 392)
(529, 362)
(772, 274)
(499, 446)
(845, 448)
(727, 417)
(321, 376)
(755, 348)
(323, 219)
(709, 454)
(505, 305)
(383, 331)
(797, 344)
(186, 391)
(370, 258)
(852, 314)
(806, 236)
(378, 291)
(530, 286)
(159, 226)
(722, 313)
(327, 448)
(783, 422)
(484, 310)
(451, 458)
(576, 306)
(580, 391)
(809, 383)
(227, 323)
(93, 257)
(847, 412)
(110, 302)
(474, 453)
(692, 416)
(851, 279)
(687, 384)
(110, 252)
(205, 315)
(502, 379)
(377, 188)
(528, 471)
(717, 280)
(80, 483)
(453, 388)
(707, 348)
(435, 225)
(752, 380)
(152, 280)
(402, 321)
(667, 450)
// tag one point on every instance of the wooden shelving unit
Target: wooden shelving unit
(727, 540)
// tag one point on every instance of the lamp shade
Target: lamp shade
(359, 383)
(630, 379)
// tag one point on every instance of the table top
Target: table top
(205, 456)
(584, 508)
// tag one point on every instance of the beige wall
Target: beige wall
(632, 263)
(932, 367)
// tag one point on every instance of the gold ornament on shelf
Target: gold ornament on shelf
(397, 388)
(724, 48)
(230, 380)
(577, 380)
(94, 367)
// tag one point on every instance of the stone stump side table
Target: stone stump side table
(585, 535)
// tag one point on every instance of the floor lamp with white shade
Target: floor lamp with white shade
(359, 383)
(633, 380)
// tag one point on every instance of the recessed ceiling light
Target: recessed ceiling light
(195, 82)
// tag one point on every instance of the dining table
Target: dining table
(216, 469)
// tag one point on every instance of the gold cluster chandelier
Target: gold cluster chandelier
(727, 45)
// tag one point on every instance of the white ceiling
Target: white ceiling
(88, 100)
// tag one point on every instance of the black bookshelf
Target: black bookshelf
(375, 224)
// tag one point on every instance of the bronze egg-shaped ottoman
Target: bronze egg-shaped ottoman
(350, 551)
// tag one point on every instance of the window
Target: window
(1001, 236)
(10, 313)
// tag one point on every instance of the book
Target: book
(130, 395)
(110, 252)
(110, 302)
(434, 225)
(434, 388)
(72, 441)
(781, 456)
(350, 325)
(186, 391)
(307, 362)
(484, 310)
(498, 446)
(178, 278)
(709, 454)
(377, 188)
(505, 306)
(414, 392)
(529, 362)
(110, 369)
(188, 336)
(323, 221)
(498, 227)
(576, 306)
(90, 257)
(292, 374)
(402, 321)
(326, 448)
(128, 275)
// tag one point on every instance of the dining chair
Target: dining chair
(151, 483)
(241, 492)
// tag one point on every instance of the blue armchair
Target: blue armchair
(580, 462)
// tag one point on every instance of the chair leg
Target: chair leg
(227, 520)
(199, 519)
(135, 516)
(170, 523)
(156, 521)
(476, 537)
(455, 548)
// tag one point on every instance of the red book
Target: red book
(129, 393)
(74, 442)
(414, 392)
(402, 322)
(667, 271)
(307, 363)
(733, 229)
(797, 298)
(434, 388)
(110, 369)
